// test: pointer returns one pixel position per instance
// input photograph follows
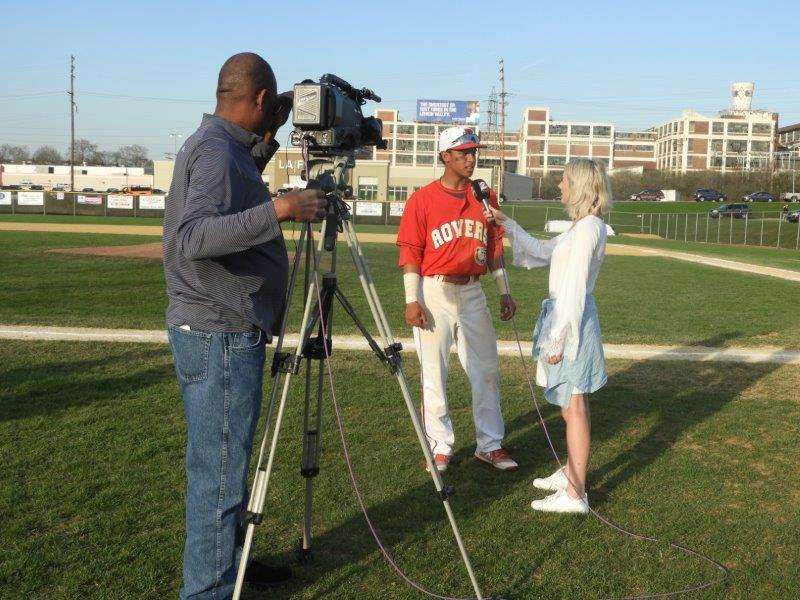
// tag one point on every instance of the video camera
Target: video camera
(327, 114)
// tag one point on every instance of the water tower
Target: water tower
(742, 96)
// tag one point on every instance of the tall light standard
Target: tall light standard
(175, 137)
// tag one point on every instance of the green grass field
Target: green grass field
(92, 438)
(85, 219)
(92, 442)
(641, 300)
(769, 257)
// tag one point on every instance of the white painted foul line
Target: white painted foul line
(352, 342)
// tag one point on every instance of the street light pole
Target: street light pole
(175, 137)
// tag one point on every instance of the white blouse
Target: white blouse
(575, 257)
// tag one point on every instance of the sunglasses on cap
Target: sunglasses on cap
(467, 138)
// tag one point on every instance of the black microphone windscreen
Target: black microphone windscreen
(480, 189)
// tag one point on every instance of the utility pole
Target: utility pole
(502, 126)
(72, 109)
(491, 133)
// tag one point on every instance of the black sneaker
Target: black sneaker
(259, 575)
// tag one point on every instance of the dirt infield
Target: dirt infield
(153, 250)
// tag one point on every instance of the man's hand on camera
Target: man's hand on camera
(301, 205)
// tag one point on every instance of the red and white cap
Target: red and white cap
(459, 138)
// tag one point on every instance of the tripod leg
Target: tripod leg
(382, 323)
(261, 482)
(309, 467)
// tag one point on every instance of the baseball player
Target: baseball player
(446, 244)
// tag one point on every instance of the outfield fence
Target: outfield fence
(767, 229)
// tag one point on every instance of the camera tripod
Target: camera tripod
(329, 174)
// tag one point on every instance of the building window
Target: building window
(405, 130)
(404, 159)
(405, 145)
(736, 146)
(716, 145)
(602, 131)
(424, 159)
(737, 128)
(733, 162)
(556, 161)
(425, 146)
(762, 129)
(367, 188)
(580, 130)
(388, 130)
(426, 130)
(718, 127)
(397, 193)
(560, 130)
(759, 146)
(601, 159)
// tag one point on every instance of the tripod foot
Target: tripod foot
(304, 555)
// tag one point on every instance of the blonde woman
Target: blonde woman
(566, 339)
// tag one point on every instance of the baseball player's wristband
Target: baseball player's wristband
(411, 285)
(499, 276)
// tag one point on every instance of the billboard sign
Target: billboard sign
(120, 202)
(449, 111)
(5, 198)
(369, 209)
(152, 202)
(30, 198)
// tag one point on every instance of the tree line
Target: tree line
(85, 152)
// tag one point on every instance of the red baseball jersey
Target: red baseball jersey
(445, 233)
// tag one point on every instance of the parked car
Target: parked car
(648, 195)
(158, 191)
(87, 190)
(37, 188)
(112, 191)
(709, 195)
(735, 211)
(791, 196)
(759, 197)
(60, 188)
(793, 216)
(12, 187)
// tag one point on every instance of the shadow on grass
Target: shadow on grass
(71, 381)
(644, 396)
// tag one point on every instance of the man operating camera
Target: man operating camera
(226, 270)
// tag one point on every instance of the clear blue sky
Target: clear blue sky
(146, 69)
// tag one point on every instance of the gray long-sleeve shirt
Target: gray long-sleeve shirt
(224, 257)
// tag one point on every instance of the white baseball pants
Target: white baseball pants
(458, 314)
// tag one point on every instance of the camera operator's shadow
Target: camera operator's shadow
(60, 382)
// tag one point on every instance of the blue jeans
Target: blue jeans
(221, 378)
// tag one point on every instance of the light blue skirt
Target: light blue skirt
(587, 372)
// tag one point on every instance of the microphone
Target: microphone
(481, 190)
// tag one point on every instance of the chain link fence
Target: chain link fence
(767, 229)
